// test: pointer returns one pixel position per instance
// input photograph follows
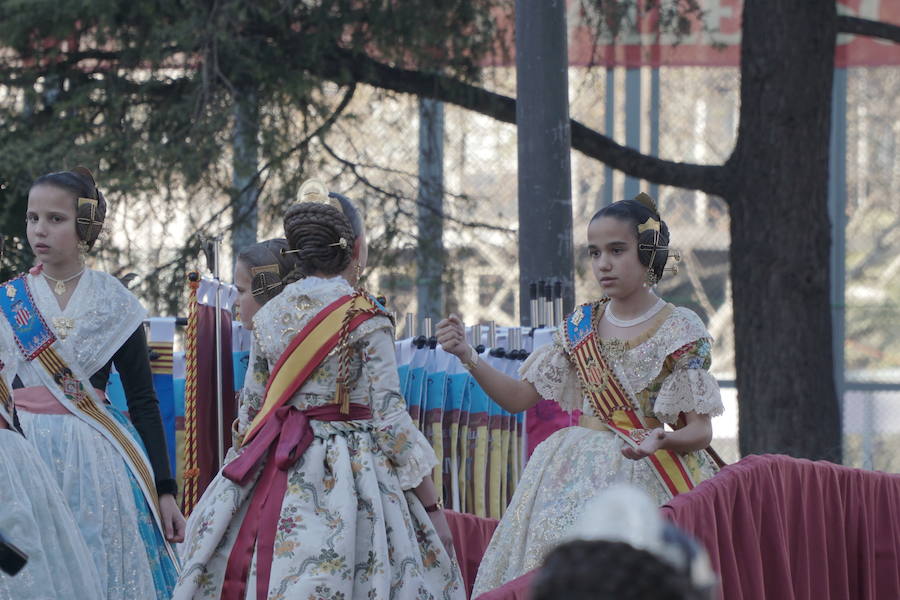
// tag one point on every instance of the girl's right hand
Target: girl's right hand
(451, 335)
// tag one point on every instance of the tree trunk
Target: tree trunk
(245, 159)
(546, 250)
(430, 257)
(780, 235)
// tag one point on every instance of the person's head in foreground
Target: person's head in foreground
(625, 550)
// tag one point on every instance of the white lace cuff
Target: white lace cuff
(409, 452)
(688, 390)
(548, 369)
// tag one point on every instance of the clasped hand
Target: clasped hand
(648, 446)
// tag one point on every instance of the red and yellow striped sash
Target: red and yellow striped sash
(611, 404)
(308, 349)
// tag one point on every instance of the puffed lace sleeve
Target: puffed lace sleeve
(253, 391)
(551, 373)
(690, 387)
(396, 435)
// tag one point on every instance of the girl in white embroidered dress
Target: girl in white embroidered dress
(660, 355)
(359, 518)
(97, 323)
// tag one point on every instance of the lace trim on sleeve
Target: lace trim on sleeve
(548, 369)
(688, 390)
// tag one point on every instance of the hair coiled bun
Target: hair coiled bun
(314, 232)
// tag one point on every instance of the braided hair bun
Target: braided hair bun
(321, 231)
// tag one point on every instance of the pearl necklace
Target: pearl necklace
(614, 320)
(60, 284)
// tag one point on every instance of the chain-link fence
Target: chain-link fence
(372, 155)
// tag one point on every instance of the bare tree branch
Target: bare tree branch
(364, 69)
(868, 27)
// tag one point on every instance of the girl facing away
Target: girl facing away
(260, 273)
(632, 363)
(329, 493)
(69, 325)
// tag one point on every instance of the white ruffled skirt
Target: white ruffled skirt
(98, 488)
(35, 518)
(566, 471)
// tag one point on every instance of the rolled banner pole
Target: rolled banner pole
(219, 393)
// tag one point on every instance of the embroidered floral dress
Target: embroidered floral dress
(664, 373)
(349, 526)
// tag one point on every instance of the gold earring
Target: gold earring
(652, 279)
(358, 273)
(82, 249)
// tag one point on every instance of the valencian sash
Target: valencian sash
(309, 348)
(611, 404)
(36, 341)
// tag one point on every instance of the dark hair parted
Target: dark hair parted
(89, 216)
(314, 231)
(637, 213)
(269, 266)
(605, 570)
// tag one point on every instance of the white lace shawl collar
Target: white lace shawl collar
(104, 315)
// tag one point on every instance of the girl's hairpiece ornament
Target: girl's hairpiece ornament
(341, 242)
(645, 199)
(313, 190)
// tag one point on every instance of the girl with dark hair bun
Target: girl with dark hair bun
(71, 324)
(260, 273)
(633, 364)
(329, 493)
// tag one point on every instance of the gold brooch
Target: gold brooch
(63, 326)
(613, 348)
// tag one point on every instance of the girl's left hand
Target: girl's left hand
(173, 521)
(651, 444)
(439, 520)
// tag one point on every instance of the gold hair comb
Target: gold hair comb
(313, 190)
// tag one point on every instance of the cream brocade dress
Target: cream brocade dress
(569, 468)
(350, 528)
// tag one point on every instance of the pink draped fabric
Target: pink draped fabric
(783, 528)
(471, 536)
(544, 419)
